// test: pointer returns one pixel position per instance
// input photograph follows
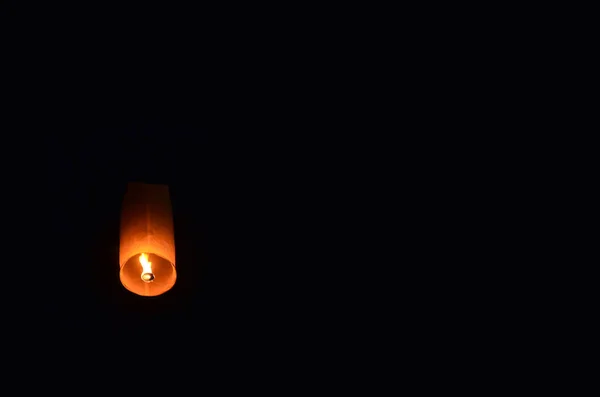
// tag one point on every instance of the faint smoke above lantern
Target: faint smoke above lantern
(147, 251)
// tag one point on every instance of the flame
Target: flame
(146, 268)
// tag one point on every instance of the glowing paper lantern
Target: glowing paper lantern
(147, 251)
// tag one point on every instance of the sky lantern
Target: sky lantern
(147, 250)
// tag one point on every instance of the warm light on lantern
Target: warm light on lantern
(147, 249)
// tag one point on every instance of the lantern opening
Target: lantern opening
(158, 277)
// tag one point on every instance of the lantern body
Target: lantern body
(147, 228)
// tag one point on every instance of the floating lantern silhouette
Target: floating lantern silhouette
(147, 241)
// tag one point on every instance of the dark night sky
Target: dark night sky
(251, 165)
(249, 245)
(215, 198)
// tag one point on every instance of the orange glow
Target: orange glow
(147, 246)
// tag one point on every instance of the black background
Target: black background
(255, 227)
(254, 141)
(268, 124)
